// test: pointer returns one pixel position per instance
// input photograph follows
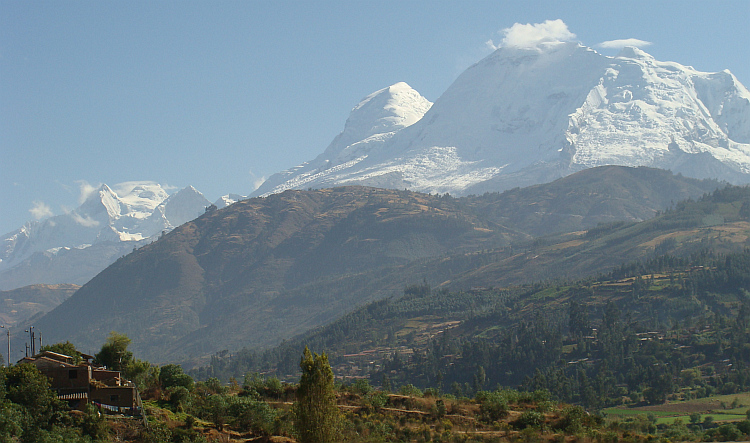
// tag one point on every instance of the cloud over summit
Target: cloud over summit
(527, 36)
(40, 210)
(621, 43)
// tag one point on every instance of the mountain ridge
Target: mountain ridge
(268, 268)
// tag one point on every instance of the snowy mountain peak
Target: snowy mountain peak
(141, 196)
(226, 200)
(371, 123)
(381, 112)
(394, 107)
(539, 107)
(124, 216)
(103, 202)
(184, 206)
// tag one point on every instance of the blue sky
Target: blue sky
(220, 94)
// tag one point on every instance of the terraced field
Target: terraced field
(718, 407)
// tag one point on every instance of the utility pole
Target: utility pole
(31, 340)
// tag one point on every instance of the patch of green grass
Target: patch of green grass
(717, 417)
(625, 412)
(551, 292)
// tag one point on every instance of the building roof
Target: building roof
(46, 362)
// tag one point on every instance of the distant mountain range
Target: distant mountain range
(73, 247)
(22, 303)
(524, 116)
(266, 269)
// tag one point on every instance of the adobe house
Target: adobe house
(84, 383)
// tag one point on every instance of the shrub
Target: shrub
(529, 419)
(376, 399)
(252, 415)
(492, 406)
(362, 386)
(178, 397)
(410, 390)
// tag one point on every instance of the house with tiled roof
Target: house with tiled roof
(84, 383)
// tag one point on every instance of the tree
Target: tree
(114, 353)
(317, 418)
(578, 320)
(480, 378)
(27, 404)
(173, 375)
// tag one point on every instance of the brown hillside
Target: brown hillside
(266, 269)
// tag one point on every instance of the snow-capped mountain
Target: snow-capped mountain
(226, 200)
(106, 225)
(526, 115)
(372, 123)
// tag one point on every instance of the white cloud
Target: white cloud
(125, 188)
(257, 181)
(531, 35)
(621, 43)
(40, 210)
(86, 190)
(87, 221)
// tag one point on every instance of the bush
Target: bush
(492, 406)
(438, 410)
(252, 415)
(574, 419)
(529, 419)
(410, 390)
(256, 386)
(178, 397)
(362, 386)
(376, 399)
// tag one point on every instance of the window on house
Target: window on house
(72, 374)
(114, 397)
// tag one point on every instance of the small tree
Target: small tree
(317, 418)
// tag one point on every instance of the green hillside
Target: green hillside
(669, 327)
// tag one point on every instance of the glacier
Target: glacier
(532, 114)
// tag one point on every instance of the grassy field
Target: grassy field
(719, 408)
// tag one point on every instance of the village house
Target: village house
(84, 383)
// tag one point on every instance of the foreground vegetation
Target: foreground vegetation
(315, 410)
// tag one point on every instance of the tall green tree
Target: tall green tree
(317, 418)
